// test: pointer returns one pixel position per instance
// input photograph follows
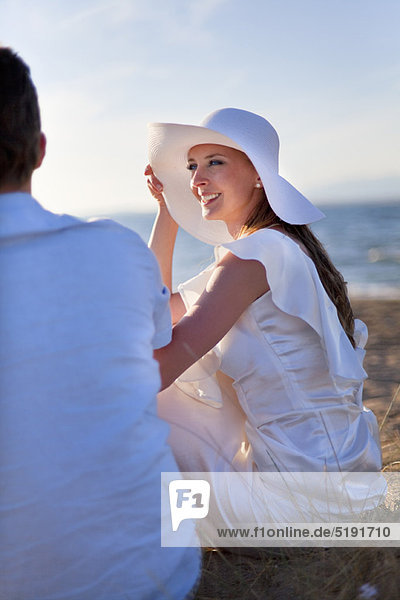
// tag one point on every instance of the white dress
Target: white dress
(282, 391)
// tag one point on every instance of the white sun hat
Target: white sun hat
(169, 144)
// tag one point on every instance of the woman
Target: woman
(265, 337)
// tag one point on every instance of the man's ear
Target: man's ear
(42, 150)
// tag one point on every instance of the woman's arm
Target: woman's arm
(233, 286)
(162, 242)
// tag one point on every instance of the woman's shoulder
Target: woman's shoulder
(265, 244)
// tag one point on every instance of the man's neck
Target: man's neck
(9, 189)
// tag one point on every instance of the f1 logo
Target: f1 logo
(188, 499)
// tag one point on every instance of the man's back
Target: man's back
(81, 447)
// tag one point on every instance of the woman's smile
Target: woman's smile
(206, 199)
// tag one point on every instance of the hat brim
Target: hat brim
(169, 144)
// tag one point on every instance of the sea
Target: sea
(363, 240)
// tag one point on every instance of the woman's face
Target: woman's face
(223, 180)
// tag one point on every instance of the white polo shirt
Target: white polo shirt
(81, 448)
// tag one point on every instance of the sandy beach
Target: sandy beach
(382, 363)
(329, 573)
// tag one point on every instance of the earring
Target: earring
(258, 185)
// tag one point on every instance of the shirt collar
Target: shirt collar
(21, 215)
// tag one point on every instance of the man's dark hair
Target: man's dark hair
(19, 120)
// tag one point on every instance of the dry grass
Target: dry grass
(328, 573)
(301, 574)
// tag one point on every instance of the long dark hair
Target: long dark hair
(332, 280)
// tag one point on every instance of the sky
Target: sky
(325, 73)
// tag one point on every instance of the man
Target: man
(81, 448)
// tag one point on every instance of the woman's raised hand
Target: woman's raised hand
(163, 234)
(155, 186)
